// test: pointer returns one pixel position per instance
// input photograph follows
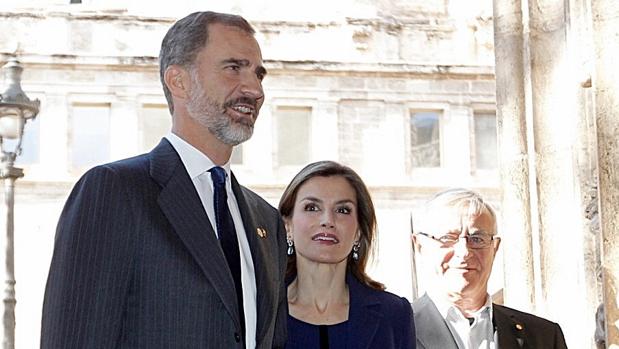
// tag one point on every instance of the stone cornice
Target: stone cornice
(40, 190)
(382, 69)
(275, 67)
(88, 12)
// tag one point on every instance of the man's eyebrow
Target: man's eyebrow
(244, 63)
(237, 61)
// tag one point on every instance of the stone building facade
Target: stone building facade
(402, 91)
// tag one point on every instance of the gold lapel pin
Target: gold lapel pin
(261, 232)
(519, 327)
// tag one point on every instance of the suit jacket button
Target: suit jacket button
(237, 337)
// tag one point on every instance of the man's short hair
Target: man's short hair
(187, 37)
(469, 202)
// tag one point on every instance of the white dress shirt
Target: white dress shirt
(197, 165)
(478, 335)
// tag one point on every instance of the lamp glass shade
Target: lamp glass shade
(11, 126)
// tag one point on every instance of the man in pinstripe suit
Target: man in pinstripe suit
(137, 259)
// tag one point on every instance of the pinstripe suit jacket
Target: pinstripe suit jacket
(514, 329)
(136, 263)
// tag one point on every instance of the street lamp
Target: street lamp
(15, 110)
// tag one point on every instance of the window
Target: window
(425, 141)
(155, 122)
(90, 134)
(485, 141)
(293, 135)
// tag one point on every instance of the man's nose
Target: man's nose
(251, 86)
(461, 246)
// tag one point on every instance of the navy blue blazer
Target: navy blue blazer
(378, 319)
(137, 264)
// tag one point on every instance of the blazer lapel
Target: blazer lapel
(181, 205)
(266, 286)
(364, 315)
(510, 331)
(431, 329)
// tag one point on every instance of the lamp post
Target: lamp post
(15, 110)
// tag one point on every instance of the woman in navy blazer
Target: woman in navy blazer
(331, 229)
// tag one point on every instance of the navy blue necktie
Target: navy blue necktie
(227, 234)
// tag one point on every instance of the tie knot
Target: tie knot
(218, 176)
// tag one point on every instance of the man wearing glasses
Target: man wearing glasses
(457, 242)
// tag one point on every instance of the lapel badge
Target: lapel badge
(519, 327)
(261, 232)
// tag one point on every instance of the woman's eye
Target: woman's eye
(344, 210)
(311, 207)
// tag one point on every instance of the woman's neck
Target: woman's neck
(319, 294)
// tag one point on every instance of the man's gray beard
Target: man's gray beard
(208, 114)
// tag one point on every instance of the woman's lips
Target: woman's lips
(326, 237)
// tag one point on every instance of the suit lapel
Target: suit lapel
(265, 285)
(364, 315)
(181, 205)
(511, 332)
(431, 329)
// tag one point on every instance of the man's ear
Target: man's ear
(496, 248)
(177, 80)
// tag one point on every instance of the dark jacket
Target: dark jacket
(376, 319)
(514, 329)
(136, 263)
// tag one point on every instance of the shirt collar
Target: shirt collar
(196, 162)
(445, 308)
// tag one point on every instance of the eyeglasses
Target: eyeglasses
(475, 241)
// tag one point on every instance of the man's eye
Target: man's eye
(233, 67)
(477, 239)
(447, 239)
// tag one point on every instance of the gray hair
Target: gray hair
(467, 201)
(187, 37)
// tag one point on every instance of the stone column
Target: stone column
(515, 225)
(555, 98)
(606, 83)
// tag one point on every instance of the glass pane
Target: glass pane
(90, 135)
(293, 133)
(425, 141)
(155, 122)
(29, 143)
(485, 141)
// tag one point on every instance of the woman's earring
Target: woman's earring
(290, 251)
(355, 250)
